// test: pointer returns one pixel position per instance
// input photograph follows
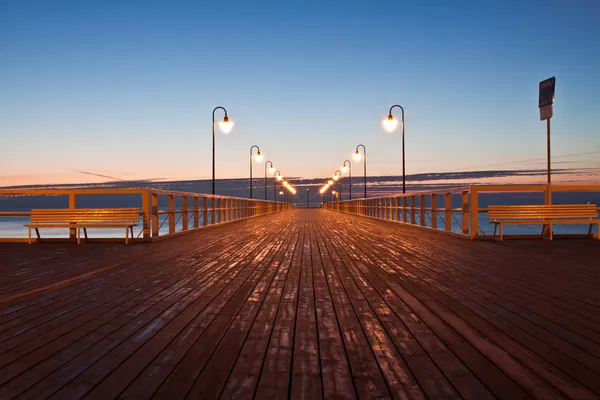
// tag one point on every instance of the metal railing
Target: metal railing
(458, 210)
(162, 213)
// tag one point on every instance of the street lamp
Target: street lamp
(357, 156)
(390, 125)
(259, 158)
(349, 169)
(225, 126)
(307, 198)
(281, 195)
(272, 171)
(337, 177)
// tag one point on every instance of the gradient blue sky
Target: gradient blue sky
(126, 88)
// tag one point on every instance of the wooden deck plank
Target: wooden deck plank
(305, 304)
(168, 288)
(420, 364)
(276, 372)
(335, 369)
(93, 317)
(546, 354)
(557, 379)
(366, 374)
(144, 372)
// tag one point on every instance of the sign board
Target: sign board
(546, 92)
(546, 112)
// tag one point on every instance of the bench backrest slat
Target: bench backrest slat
(98, 215)
(554, 211)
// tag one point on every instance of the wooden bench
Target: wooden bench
(84, 218)
(544, 215)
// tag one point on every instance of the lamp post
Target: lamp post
(272, 170)
(357, 158)
(338, 177)
(278, 177)
(225, 126)
(307, 198)
(281, 195)
(390, 125)
(258, 157)
(349, 169)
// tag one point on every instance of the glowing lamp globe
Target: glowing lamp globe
(279, 177)
(336, 177)
(390, 124)
(330, 182)
(258, 157)
(344, 168)
(357, 156)
(272, 170)
(226, 125)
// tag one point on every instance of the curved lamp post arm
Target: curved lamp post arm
(275, 183)
(257, 153)
(267, 162)
(213, 142)
(403, 158)
(349, 176)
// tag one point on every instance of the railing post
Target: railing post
(413, 210)
(146, 217)
(465, 212)
(154, 213)
(422, 210)
(434, 211)
(448, 212)
(404, 210)
(196, 213)
(205, 211)
(184, 213)
(228, 202)
(171, 213)
(72, 206)
(218, 209)
(474, 212)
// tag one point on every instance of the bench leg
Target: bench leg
(501, 232)
(85, 233)
(78, 235)
(126, 235)
(131, 228)
(30, 235)
(550, 230)
(37, 232)
(495, 226)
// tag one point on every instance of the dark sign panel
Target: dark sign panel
(547, 92)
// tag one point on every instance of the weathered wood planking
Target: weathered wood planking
(302, 304)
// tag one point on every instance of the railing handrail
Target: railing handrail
(32, 192)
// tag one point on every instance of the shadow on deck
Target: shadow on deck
(297, 304)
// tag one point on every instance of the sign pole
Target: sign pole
(548, 192)
(545, 104)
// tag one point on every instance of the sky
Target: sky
(109, 90)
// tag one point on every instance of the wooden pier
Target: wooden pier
(301, 304)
